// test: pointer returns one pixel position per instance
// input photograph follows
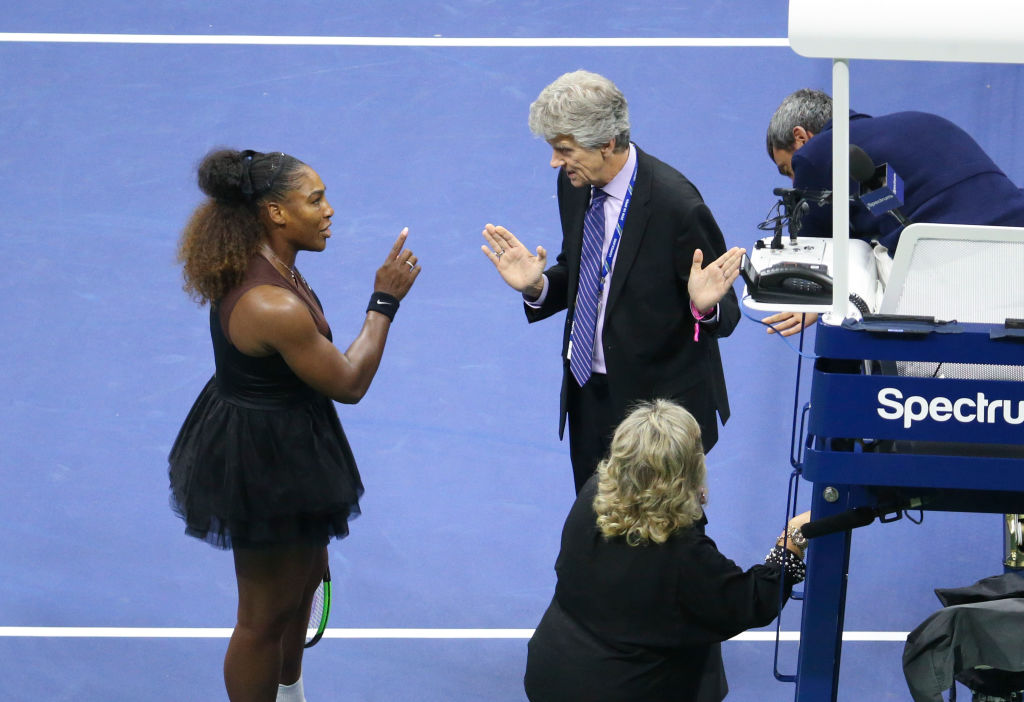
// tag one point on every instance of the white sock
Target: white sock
(291, 693)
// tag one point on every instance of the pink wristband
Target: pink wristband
(697, 316)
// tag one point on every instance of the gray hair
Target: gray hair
(810, 109)
(585, 106)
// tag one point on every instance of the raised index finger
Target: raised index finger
(397, 248)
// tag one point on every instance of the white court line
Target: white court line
(77, 632)
(43, 37)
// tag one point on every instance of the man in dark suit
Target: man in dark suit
(948, 178)
(644, 317)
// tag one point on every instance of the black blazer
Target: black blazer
(648, 328)
(643, 623)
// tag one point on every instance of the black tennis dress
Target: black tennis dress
(261, 459)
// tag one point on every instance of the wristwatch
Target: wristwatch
(797, 538)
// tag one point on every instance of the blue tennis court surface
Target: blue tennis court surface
(466, 482)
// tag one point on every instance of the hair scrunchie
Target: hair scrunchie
(250, 190)
(245, 180)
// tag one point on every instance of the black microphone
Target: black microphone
(791, 196)
(796, 203)
(881, 188)
(862, 168)
(844, 521)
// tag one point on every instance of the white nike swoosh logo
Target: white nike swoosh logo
(383, 302)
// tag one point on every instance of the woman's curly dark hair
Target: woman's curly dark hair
(225, 231)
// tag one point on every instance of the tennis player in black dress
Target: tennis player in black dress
(261, 465)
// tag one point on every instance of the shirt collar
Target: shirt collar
(617, 186)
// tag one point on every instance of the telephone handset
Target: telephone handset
(809, 278)
(788, 282)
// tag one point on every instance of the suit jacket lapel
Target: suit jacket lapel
(633, 229)
(575, 212)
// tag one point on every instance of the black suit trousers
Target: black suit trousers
(592, 421)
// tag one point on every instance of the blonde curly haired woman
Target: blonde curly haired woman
(644, 599)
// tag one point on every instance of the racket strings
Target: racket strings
(318, 612)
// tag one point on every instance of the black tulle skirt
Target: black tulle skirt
(247, 476)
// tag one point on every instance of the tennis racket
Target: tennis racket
(320, 610)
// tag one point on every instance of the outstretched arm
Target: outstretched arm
(270, 319)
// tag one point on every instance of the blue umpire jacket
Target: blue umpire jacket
(948, 177)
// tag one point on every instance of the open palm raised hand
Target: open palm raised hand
(708, 285)
(520, 268)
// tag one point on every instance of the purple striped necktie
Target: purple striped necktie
(587, 295)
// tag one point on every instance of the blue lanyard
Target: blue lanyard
(614, 246)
